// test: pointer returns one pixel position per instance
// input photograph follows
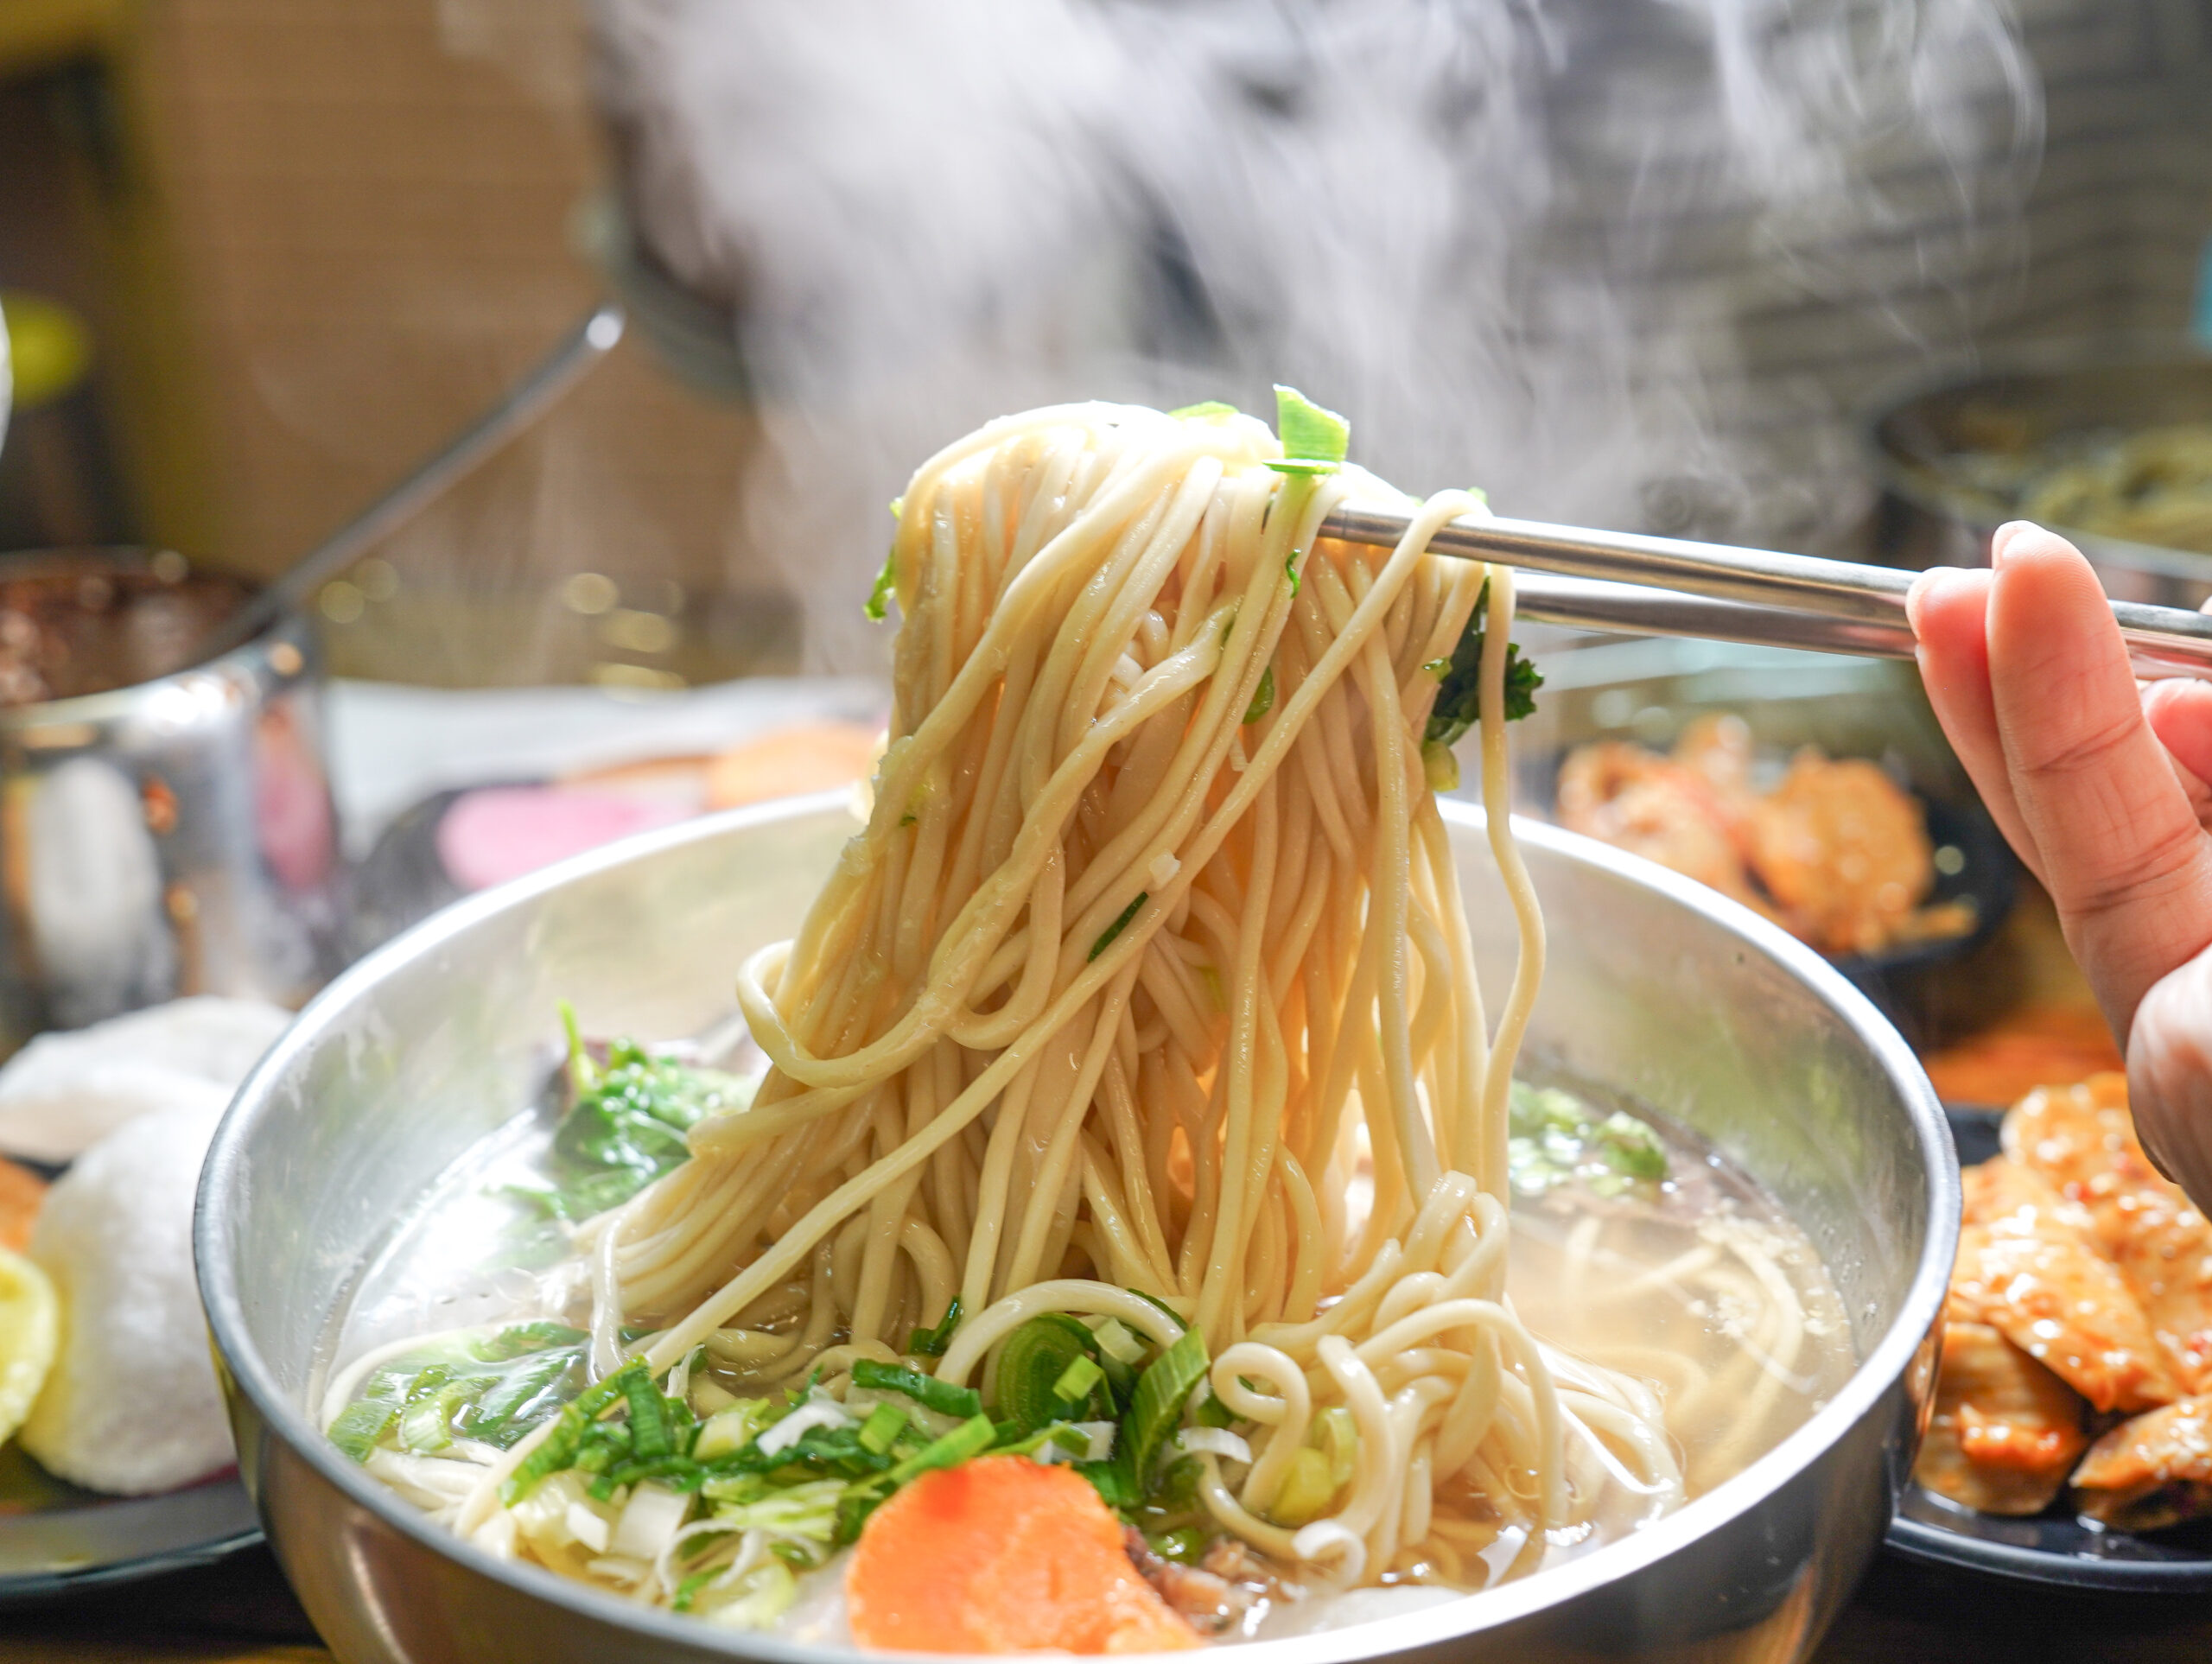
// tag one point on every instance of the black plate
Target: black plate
(2053, 1547)
(1982, 873)
(56, 1539)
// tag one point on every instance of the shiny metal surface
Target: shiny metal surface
(1631, 609)
(172, 837)
(1849, 608)
(1656, 986)
(2009, 402)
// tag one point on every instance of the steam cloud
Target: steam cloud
(1621, 262)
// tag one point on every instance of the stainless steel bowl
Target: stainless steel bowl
(173, 836)
(1929, 515)
(1656, 988)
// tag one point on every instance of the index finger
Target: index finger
(2123, 854)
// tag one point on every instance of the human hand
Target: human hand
(2100, 788)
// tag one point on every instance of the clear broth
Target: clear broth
(1701, 1286)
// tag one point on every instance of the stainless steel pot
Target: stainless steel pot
(1656, 986)
(1931, 515)
(173, 836)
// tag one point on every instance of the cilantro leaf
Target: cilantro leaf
(1459, 701)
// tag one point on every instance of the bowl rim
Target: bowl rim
(1887, 1362)
(2045, 360)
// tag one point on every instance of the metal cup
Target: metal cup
(174, 836)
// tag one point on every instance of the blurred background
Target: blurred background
(1642, 265)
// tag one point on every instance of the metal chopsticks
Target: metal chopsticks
(1663, 585)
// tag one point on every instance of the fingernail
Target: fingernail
(2000, 537)
(1930, 580)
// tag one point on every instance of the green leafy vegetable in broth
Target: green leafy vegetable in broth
(491, 1390)
(1555, 1140)
(625, 1126)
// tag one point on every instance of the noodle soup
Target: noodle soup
(1113, 1252)
(1698, 1284)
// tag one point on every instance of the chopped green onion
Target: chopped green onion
(560, 1447)
(1309, 434)
(878, 602)
(927, 1390)
(1162, 1391)
(426, 1423)
(649, 1434)
(971, 1438)
(932, 1343)
(1263, 697)
(731, 1429)
(1077, 1378)
(1212, 407)
(1175, 1488)
(1032, 1363)
(1307, 1490)
(1121, 924)
(1062, 1435)
(1629, 1146)
(1213, 1413)
(1337, 1436)
(1185, 1547)
(1117, 1343)
(884, 1423)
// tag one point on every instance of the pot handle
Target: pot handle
(579, 351)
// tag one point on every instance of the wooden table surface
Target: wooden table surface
(241, 1611)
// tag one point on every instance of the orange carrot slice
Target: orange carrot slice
(1003, 1555)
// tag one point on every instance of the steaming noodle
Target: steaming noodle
(1148, 989)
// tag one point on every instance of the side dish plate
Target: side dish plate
(56, 1539)
(2055, 1548)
